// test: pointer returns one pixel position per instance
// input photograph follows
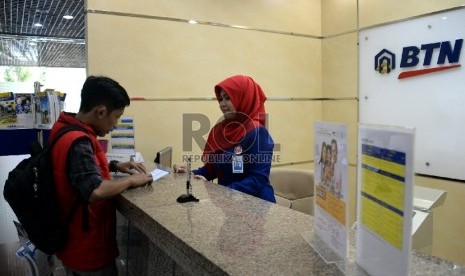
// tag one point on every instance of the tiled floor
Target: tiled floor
(10, 264)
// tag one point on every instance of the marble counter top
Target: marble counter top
(231, 233)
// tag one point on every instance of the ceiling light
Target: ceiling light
(192, 21)
(68, 17)
(38, 25)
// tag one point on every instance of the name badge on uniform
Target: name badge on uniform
(237, 164)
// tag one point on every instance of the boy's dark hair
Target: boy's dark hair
(99, 90)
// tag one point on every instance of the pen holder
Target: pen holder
(187, 198)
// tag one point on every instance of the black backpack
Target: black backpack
(30, 191)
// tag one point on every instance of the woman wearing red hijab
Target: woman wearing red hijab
(239, 148)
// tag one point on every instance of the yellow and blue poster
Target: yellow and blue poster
(385, 199)
(122, 137)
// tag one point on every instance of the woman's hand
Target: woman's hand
(179, 168)
(130, 166)
(182, 168)
(198, 176)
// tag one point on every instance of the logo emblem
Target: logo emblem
(385, 62)
(433, 57)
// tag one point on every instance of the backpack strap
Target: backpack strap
(64, 130)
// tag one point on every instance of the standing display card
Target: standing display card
(385, 199)
(331, 191)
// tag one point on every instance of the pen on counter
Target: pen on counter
(188, 197)
(188, 182)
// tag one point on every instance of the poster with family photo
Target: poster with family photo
(331, 185)
(24, 112)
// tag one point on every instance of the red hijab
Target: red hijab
(248, 99)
